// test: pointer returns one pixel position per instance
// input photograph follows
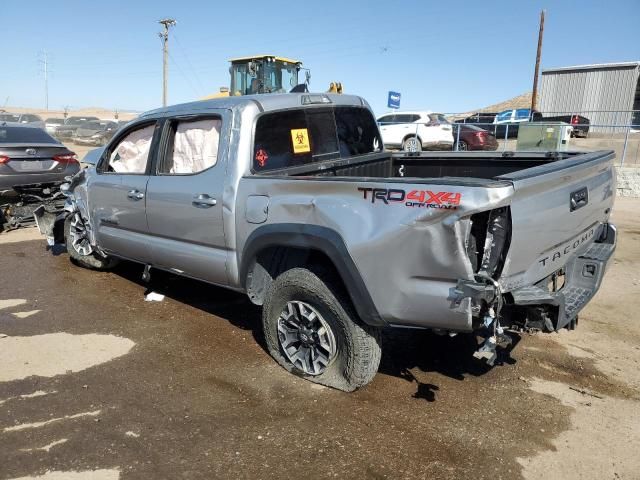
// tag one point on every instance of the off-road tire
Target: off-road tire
(358, 346)
(93, 261)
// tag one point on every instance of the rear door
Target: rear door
(388, 131)
(556, 213)
(117, 195)
(443, 132)
(184, 197)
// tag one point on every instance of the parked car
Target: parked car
(29, 155)
(52, 124)
(416, 131)
(479, 118)
(71, 124)
(23, 118)
(472, 137)
(95, 132)
(506, 123)
(292, 199)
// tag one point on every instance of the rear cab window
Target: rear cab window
(306, 136)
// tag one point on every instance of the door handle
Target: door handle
(135, 195)
(203, 201)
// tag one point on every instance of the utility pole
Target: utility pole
(167, 22)
(45, 70)
(534, 95)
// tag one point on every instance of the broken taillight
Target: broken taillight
(66, 158)
(489, 241)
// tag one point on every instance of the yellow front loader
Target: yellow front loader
(267, 74)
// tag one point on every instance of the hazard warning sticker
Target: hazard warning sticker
(300, 139)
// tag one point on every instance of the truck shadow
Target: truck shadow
(405, 351)
(408, 351)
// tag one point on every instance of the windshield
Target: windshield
(504, 116)
(9, 117)
(280, 77)
(24, 135)
(93, 126)
(77, 120)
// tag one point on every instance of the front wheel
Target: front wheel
(412, 144)
(311, 330)
(80, 249)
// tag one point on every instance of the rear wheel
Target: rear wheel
(311, 330)
(80, 249)
(462, 146)
(412, 144)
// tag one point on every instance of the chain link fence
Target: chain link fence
(620, 133)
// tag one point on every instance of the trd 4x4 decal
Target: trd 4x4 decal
(414, 198)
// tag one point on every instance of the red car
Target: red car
(473, 138)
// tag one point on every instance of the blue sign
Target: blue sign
(394, 100)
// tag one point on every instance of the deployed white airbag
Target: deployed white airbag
(130, 156)
(195, 146)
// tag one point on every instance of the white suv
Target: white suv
(415, 131)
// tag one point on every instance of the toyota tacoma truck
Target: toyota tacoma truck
(293, 200)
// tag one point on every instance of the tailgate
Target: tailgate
(557, 212)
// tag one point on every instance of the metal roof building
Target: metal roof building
(605, 93)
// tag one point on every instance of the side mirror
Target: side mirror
(93, 156)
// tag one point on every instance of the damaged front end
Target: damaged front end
(51, 222)
(19, 205)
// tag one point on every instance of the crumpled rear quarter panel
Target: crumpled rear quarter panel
(408, 257)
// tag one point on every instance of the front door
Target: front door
(117, 195)
(184, 198)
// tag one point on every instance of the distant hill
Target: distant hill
(521, 101)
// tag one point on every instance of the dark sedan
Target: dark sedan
(31, 157)
(472, 137)
(95, 133)
(71, 124)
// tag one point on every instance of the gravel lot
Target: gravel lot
(96, 383)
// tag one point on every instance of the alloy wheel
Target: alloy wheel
(306, 338)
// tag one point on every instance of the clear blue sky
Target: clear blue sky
(447, 56)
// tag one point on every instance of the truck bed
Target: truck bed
(432, 165)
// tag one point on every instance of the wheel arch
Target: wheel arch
(273, 249)
(411, 135)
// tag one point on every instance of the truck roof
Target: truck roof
(265, 102)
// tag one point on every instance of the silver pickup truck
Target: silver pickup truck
(292, 199)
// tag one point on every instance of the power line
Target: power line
(195, 90)
(186, 57)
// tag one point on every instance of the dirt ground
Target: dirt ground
(96, 383)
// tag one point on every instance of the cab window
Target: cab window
(192, 146)
(131, 153)
(300, 137)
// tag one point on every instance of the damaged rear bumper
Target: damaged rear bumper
(582, 279)
(545, 305)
